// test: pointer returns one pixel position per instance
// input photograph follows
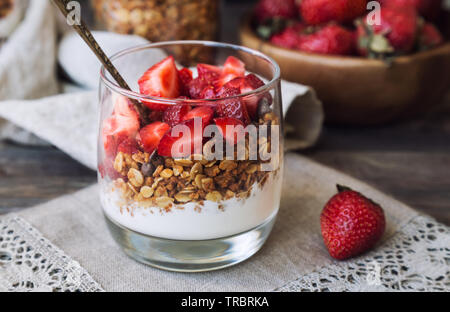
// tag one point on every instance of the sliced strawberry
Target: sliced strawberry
(151, 135)
(230, 129)
(223, 80)
(123, 107)
(106, 169)
(128, 146)
(175, 114)
(208, 93)
(204, 112)
(185, 76)
(155, 116)
(208, 72)
(232, 107)
(252, 102)
(183, 144)
(196, 87)
(108, 136)
(249, 83)
(123, 124)
(233, 66)
(161, 80)
(254, 81)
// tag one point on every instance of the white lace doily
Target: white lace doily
(29, 262)
(417, 258)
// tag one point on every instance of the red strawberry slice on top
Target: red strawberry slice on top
(123, 124)
(245, 85)
(232, 68)
(109, 136)
(185, 76)
(197, 86)
(230, 129)
(151, 135)
(123, 107)
(208, 93)
(128, 146)
(204, 112)
(185, 143)
(161, 80)
(207, 75)
(233, 107)
(208, 72)
(254, 81)
(175, 114)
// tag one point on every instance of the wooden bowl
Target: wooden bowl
(356, 90)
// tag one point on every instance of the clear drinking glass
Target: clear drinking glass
(201, 209)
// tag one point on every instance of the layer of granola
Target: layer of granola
(164, 182)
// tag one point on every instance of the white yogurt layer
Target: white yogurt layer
(211, 221)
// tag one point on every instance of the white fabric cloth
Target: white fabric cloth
(28, 62)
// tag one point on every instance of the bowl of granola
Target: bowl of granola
(190, 161)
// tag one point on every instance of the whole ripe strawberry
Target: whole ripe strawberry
(351, 224)
(429, 9)
(396, 33)
(331, 39)
(429, 37)
(316, 12)
(266, 9)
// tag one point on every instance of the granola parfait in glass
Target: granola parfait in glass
(190, 162)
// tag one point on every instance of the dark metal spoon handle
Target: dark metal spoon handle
(86, 34)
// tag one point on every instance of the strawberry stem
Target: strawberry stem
(342, 188)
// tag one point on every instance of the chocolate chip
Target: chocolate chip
(263, 107)
(157, 160)
(147, 169)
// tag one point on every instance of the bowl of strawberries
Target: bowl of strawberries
(370, 62)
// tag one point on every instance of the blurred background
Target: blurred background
(387, 109)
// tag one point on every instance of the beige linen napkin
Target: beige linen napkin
(294, 250)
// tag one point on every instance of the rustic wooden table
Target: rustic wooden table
(408, 160)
